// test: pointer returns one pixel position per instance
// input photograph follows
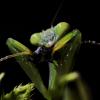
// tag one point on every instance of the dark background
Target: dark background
(20, 20)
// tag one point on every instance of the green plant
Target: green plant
(19, 93)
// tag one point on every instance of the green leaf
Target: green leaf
(22, 92)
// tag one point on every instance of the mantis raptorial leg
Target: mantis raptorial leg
(53, 38)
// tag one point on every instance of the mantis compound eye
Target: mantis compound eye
(35, 39)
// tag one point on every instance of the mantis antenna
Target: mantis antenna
(91, 42)
(15, 55)
(83, 42)
(57, 12)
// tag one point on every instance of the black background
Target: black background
(21, 19)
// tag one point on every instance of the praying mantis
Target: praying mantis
(60, 45)
(56, 46)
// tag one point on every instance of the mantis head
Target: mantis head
(50, 36)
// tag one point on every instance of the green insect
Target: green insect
(56, 40)
(47, 42)
(57, 46)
